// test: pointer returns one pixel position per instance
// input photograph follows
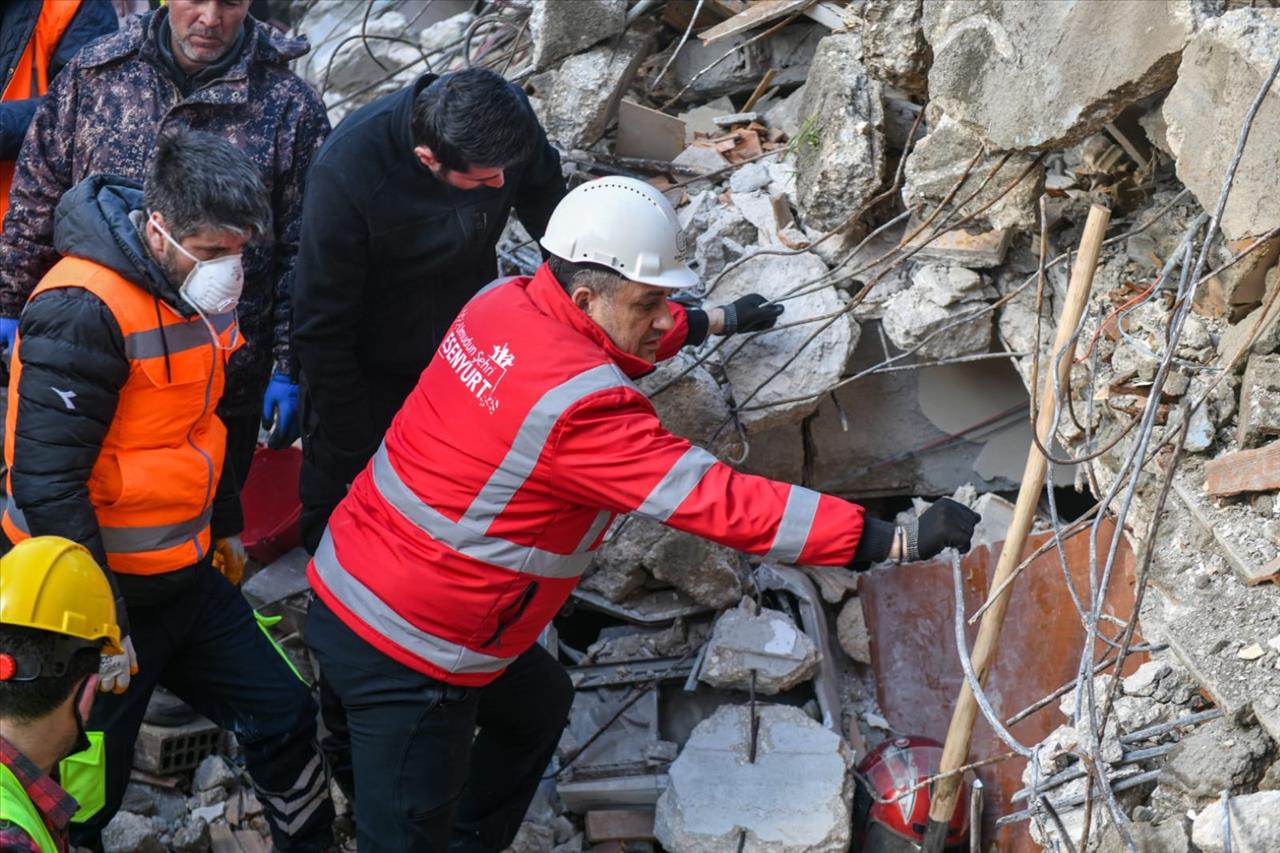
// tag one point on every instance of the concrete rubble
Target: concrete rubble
(764, 649)
(717, 793)
(939, 297)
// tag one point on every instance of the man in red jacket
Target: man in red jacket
(472, 523)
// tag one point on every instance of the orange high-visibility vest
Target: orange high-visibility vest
(153, 483)
(29, 77)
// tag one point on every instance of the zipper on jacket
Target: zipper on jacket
(208, 461)
(512, 615)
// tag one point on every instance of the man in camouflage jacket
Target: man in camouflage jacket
(104, 113)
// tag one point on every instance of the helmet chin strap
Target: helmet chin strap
(81, 706)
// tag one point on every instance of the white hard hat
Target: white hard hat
(625, 225)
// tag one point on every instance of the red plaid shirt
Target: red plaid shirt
(55, 805)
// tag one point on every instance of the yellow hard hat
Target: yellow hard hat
(55, 585)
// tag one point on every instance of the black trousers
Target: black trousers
(204, 645)
(424, 780)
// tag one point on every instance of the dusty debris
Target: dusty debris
(1033, 77)
(851, 629)
(766, 648)
(893, 44)
(561, 29)
(941, 296)
(1259, 413)
(1223, 68)
(717, 794)
(586, 89)
(1254, 821)
(840, 156)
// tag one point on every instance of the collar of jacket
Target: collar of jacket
(546, 293)
(137, 38)
(402, 120)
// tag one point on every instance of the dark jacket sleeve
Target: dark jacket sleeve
(73, 367)
(308, 132)
(42, 174)
(94, 18)
(541, 188)
(328, 298)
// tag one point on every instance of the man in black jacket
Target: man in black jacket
(404, 208)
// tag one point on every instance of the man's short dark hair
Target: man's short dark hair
(595, 277)
(198, 180)
(472, 118)
(25, 701)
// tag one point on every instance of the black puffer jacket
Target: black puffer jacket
(69, 340)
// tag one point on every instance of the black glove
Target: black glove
(946, 524)
(751, 313)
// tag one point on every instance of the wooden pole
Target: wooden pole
(956, 749)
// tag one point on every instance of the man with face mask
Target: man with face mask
(467, 531)
(57, 617)
(112, 441)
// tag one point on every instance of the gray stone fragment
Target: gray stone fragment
(749, 177)
(212, 772)
(1263, 323)
(139, 799)
(617, 569)
(559, 29)
(796, 796)
(893, 45)
(587, 88)
(788, 114)
(937, 162)
(842, 167)
(851, 631)
(702, 159)
(192, 837)
(1259, 418)
(940, 295)
(778, 370)
(1221, 73)
(1255, 825)
(788, 52)
(1144, 679)
(769, 643)
(131, 833)
(689, 401)
(1046, 75)
(704, 571)
(1218, 756)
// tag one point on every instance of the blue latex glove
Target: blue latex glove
(280, 412)
(9, 332)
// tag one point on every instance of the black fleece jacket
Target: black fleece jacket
(388, 257)
(70, 341)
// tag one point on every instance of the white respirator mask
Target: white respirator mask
(212, 287)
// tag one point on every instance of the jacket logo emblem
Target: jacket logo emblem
(66, 396)
(502, 356)
(478, 371)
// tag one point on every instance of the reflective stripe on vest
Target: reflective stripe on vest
(132, 540)
(379, 616)
(468, 535)
(676, 484)
(16, 808)
(178, 337)
(797, 522)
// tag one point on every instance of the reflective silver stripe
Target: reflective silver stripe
(601, 522)
(464, 536)
(375, 613)
(136, 540)
(523, 455)
(297, 804)
(682, 478)
(177, 337)
(797, 521)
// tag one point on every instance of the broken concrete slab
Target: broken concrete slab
(788, 113)
(617, 568)
(702, 158)
(1239, 288)
(1216, 757)
(976, 250)
(997, 515)
(939, 296)
(778, 377)
(766, 643)
(938, 161)
(706, 572)
(561, 29)
(1030, 76)
(1259, 413)
(788, 52)
(1221, 72)
(893, 44)
(840, 165)
(851, 631)
(1261, 326)
(796, 796)
(586, 89)
(131, 833)
(723, 234)
(1254, 820)
(689, 401)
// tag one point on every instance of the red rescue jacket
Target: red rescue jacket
(523, 440)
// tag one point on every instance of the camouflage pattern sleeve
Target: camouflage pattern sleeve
(304, 135)
(41, 175)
